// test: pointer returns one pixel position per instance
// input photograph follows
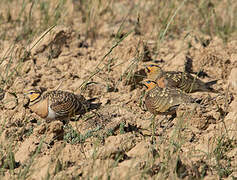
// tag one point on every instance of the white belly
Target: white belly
(51, 114)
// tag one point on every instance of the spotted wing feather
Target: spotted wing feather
(165, 100)
(65, 103)
(186, 82)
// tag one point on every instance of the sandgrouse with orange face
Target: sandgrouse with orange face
(163, 101)
(176, 79)
(56, 104)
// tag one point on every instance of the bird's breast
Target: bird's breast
(41, 108)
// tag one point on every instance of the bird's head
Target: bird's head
(153, 71)
(33, 95)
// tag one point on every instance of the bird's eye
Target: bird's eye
(148, 81)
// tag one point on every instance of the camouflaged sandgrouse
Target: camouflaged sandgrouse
(163, 101)
(176, 79)
(56, 104)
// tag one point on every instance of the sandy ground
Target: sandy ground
(115, 140)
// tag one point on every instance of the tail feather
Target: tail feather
(91, 100)
(94, 106)
(86, 105)
(209, 84)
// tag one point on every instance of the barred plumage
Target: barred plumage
(163, 100)
(57, 104)
(176, 79)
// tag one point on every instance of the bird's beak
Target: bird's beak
(26, 101)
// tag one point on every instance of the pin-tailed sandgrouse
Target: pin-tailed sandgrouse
(176, 79)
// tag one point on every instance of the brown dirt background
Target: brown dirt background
(114, 142)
